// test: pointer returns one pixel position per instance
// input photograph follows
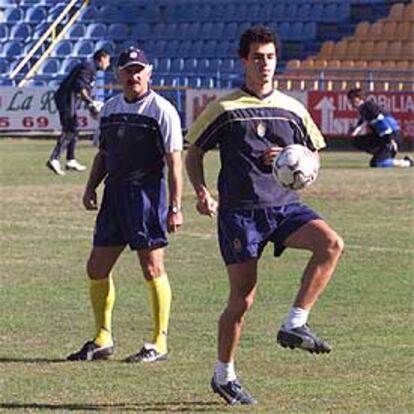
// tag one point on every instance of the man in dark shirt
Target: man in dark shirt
(76, 87)
(250, 126)
(384, 136)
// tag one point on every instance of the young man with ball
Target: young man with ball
(250, 126)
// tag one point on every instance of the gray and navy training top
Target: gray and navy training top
(243, 126)
(134, 138)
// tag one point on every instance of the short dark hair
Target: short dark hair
(100, 53)
(355, 93)
(258, 34)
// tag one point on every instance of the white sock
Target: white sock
(224, 372)
(296, 317)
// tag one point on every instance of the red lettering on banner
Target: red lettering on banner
(334, 115)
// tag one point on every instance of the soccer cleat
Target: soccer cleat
(73, 165)
(302, 338)
(232, 392)
(148, 353)
(90, 352)
(409, 159)
(54, 165)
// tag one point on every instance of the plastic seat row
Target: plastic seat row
(385, 30)
(34, 14)
(193, 65)
(206, 11)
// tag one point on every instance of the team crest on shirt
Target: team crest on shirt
(120, 133)
(237, 244)
(261, 129)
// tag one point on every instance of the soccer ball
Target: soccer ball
(295, 167)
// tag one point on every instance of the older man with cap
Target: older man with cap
(139, 134)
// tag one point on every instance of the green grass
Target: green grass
(366, 312)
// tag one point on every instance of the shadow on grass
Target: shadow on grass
(164, 407)
(5, 360)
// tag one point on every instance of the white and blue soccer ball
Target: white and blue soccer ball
(295, 167)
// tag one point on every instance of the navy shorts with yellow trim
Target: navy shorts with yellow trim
(244, 233)
(132, 215)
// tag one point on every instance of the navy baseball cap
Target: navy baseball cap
(132, 56)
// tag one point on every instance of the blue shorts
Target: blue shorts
(132, 215)
(243, 234)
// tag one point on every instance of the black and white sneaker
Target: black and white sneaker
(232, 392)
(409, 159)
(90, 352)
(148, 353)
(302, 338)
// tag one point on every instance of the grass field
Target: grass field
(366, 312)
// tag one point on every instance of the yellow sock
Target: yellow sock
(160, 293)
(102, 293)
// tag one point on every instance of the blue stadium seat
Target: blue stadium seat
(4, 65)
(141, 31)
(83, 48)
(227, 65)
(96, 31)
(55, 11)
(217, 30)
(50, 67)
(193, 31)
(14, 15)
(40, 30)
(117, 32)
(77, 31)
(12, 49)
(177, 65)
(4, 32)
(107, 45)
(67, 65)
(230, 30)
(203, 65)
(206, 30)
(172, 48)
(108, 14)
(35, 14)
(21, 32)
(164, 65)
(214, 65)
(62, 49)
(190, 65)
(89, 14)
(210, 48)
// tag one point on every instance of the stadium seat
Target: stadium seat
(4, 32)
(62, 49)
(12, 49)
(107, 45)
(14, 15)
(83, 48)
(405, 31)
(77, 31)
(21, 32)
(4, 65)
(190, 65)
(67, 65)
(117, 32)
(35, 14)
(394, 50)
(203, 66)
(362, 30)
(409, 12)
(89, 14)
(108, 14)
(327, 49)
(49, 67)
(54, 12)
(96, 31)
(353, 49)
(177, 65)
(164, 65)
(40, 30)
(396, 12)
(407, 50)
(389, 30)
(141, 31)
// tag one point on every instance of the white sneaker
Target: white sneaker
(74, 165)
(54, 165)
